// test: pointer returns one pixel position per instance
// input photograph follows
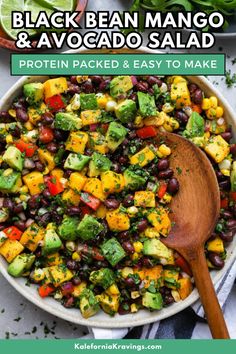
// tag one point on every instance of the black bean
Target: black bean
(4, 116)
(104, 85)
(56, 217)
(231, 224)
(47, 118)
(142, 225)
(133, 97)
(128, 247)
(39, 166)
(60, 135)
(227, 136)
(34, 201)
(197, 96)
(132, 134)
(123, 235)
(116, 167)
(233, 149)
(73, 89)
(173, 186)
(96, 79)
(225, 185)
(166, 174)
(73, 80)
(227, 236)
(163, 165)
(147, 262)
(18, 208)
(123, 160)
(124, 309)
(67, 173)
(73, 210)
(220, 176)
(16, 132)
(8, 203)
(153, 80)
(129, 281)
(215, 259)
(46, 194)
(87, 87)
(128, 201)
(20, 225)
(168, 299)
(22, 115)
(142, 86)
(112, 203)
(72, 265)
(192, 88)
(225, 214)
(182, 117)
(52, 147)
(44, 219)
(76, 280)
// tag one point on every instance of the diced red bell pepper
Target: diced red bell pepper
(147, 132)
(55, 103)
(93, 252)
(54, 185)
(233, 196)
(28, 148)
(45, 290)
(45, 134)
(224, 203)
(183, 264)
(13, 233)
(162, 190)
(90, 201)
(104, 127)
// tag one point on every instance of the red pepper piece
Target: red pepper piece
(183, 264)
(54, 185)
(90, 201)
(55, 103)
(146, 132)
(28, 148)
(45, 290)
(45, 134)
(162, 190)
(13, 233)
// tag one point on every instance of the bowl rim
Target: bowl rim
(104, 321)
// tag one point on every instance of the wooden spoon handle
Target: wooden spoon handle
(208, 296)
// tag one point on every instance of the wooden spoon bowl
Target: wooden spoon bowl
(8, 43)
(196, 209)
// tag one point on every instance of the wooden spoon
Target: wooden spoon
(196, 209)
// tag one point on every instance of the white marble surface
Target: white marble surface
(17, 315)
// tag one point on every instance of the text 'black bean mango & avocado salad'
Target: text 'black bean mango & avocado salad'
(86, 188)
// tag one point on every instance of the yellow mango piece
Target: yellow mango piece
(77, 141)
(160, 220)
(151, 232)
(143, 157)
(186, 287)
(58, 173)
(78, 289)
(217, 148)
(60, 274)
(97, 142)
(180, 94)
(112, 182)
(113, 290)
(69, 195)
(109, 303)
(54, 259)
(94, 187)
(101, 212)
(149, 275)
(10, 249)
(216, 245)
(35, 114)
(34, 181)
(170, 274)
(54, 87)
(47, 158)
(144, 199)
(90, 116)
(77, 181)
(32, 236)
(117, 220)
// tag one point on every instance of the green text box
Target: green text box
(117, 64)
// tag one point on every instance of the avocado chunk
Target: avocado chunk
(233, 177)
(113, 251)
(156, 249)
(88, 101)
(67, 121)
(126, 111)
(116, 134)
(147, 105)
(10, 183)
(132, 180)
(52, 242)
(89, 228)
(104, 277)
(88, 304)
(76, 161)
(34, 93)
(13, 158)
(195, 126)
(98, 164)
(68, 228)
(21, 264)
(152, 301)
(120, 85)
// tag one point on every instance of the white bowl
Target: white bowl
(101, 319)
